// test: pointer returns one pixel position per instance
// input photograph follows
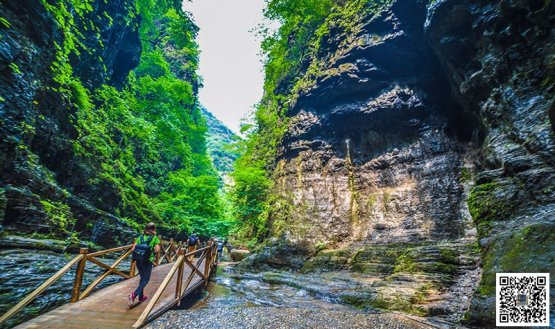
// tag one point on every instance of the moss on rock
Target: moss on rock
(530, 249)
(327, 260)
(492, 201)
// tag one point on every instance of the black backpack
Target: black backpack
(193, 240)
(142, 250)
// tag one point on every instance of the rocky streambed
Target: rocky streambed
(283, 299)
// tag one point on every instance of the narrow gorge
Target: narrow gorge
(403, 152)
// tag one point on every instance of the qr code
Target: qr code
(522, 299)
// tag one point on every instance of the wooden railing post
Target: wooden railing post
(78, 281)
(171, 249)
(132, 264)
(158, 260)
(132, 268)
(179, 284)
(207, 263)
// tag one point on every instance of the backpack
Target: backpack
(193, 240)
(142, 250)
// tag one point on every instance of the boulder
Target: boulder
(238, 255)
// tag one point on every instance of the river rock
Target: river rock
(238, 255)
(14, 241)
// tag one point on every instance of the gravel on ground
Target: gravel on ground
(274, 318)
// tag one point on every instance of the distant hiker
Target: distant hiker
(220, 249)
(192, 243)
(228, 246)
(144, 259)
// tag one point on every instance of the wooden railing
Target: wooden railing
(209, 257)
(169, 251)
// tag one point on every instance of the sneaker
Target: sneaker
(131, 299)
(142, 299)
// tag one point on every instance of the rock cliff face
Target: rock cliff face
(40, 176)
(423, 154)
(500, 61)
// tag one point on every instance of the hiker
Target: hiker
(220, 249)
(192, 243)
(228, 246)
(144, 260)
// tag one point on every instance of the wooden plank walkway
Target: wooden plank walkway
(107, 308)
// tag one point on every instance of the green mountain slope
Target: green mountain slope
(219, 139)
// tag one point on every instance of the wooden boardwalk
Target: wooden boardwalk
(108, 307)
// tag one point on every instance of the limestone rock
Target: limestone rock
(430, 105)
(238, 255)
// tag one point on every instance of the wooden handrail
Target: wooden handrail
(175, 251)
(192, 275)
(89, 289)
(198, 250)
(107, 251)
(194, 268)
(108, 267)
(40, 289)
(180, 288)
(78, 281)
(158, 293)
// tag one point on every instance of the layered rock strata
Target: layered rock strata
(431, 120)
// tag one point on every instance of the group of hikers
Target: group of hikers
(144, 249)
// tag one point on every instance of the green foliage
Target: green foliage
(15, 68)
(220, 141)
(153, 65)
(287, 47)
(143, 146)
(5, 23)
(59, 214)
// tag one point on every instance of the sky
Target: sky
(230, 64)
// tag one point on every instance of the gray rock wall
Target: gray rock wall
(427, 106)
(500, 63)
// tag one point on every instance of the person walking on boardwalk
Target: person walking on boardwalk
(143, 256)
(192, 243)
(220, 249)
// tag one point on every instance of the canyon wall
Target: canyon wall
(420, 152)
(101, 128)
(44, 184)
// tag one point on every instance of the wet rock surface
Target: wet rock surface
(370, 174)
(422, 154)
(498, 57)
(239, 254)
(237, 299)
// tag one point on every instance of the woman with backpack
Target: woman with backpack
(143, 256)
(192, 243)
